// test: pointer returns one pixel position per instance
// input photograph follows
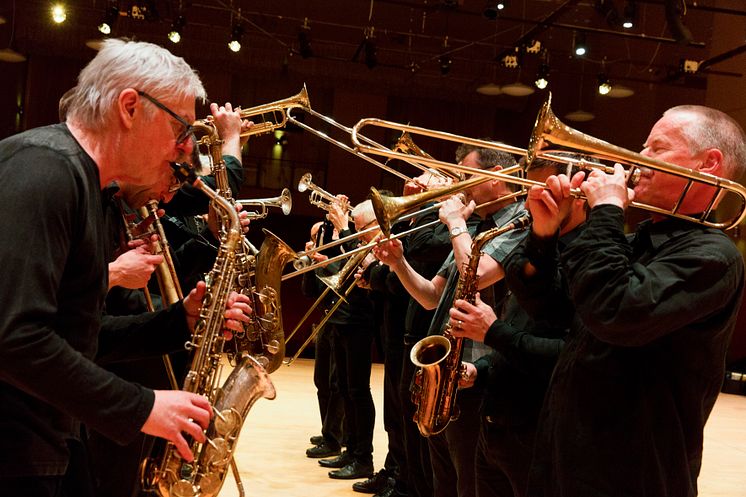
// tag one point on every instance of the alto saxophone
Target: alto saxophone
(438, 357)
(264, 337)
(171, 476)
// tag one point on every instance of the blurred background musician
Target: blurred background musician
(325, 372)
(452, 451)
(514, 376)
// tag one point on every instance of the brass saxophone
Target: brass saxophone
(171, 476)
(438, 357)
(264, 337)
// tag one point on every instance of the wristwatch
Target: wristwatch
(458, 230)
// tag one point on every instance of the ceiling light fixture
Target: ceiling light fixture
(493, 8)
(604, 86)
(59, 13)
(542, 76)
(110, 17)
(445, 64)
(630, 15)
(236, 34)
(369, 46)
(176, 28)
(578, 43)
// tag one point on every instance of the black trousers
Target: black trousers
(503, 459)
(331, 403)
(393, 420)
(352, 356)
(452, 452)
(419, 469)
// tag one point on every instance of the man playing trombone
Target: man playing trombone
(644, 361)
(453, 449)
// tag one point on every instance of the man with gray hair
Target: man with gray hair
(128, 120)
(654, 312)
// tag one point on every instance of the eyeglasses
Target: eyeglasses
(188, 129)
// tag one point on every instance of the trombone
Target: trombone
(284, 201)
(318, 197)
(549, 129)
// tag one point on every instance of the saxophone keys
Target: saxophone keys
(227, 422)
(184, 488)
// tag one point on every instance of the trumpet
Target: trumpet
(278, 110)
(284, 201)
(318, 197)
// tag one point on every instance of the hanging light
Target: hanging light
(369, 46)
(110, 17)
(236, 34)
(59, 13)
(604, 86)
(542, 76)
(176, 27)
(579, 46)
(445, 64)
(304, 40)
(630, 14)
(493, 8)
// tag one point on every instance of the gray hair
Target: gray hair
(712, 128)
(122, 64)
(364, 208)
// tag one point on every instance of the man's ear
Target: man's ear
(128, 107)
(712, 163)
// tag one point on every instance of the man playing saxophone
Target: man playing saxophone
(454, 447)
(120, 126)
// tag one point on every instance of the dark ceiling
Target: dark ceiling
(413, 39)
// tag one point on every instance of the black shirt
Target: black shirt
(644, 362)
(55, 279)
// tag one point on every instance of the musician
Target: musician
(116, 467)
(353, 330)
(452, 451)
(655, 310)
(118, 128)
(331, 404)
(515, 374)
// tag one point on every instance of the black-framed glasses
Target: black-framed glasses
(188, 129)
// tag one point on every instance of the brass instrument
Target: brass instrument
(406, 144)
(264, 338)
(171, 476)
(318, 197)
(334, 283)
(438, 357)
(284, 201)
(278, 111)
(165, 272)
(548, 128)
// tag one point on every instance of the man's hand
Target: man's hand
(549, 206)
(611, 189)
(390, 252)
(176, 412)
(237, 309)
(453, 213)
(468, 375)
(338, 210)
(471, 320)
(133, 268)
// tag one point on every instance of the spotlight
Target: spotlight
(579, 46)
(236, 35)
(630, 13)
(542, 76)
(371, 59)
(607, 9)
(304, 40)
(110, 17)
(59, 14)
(176, 27)
(604, 86)
(445, 64)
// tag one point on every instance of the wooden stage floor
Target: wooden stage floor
(271, 449)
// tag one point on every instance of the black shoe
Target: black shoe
(340, 461)
(317, 439)
(323, 450)
(375, 484)
(386, 492)
(352, 471)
